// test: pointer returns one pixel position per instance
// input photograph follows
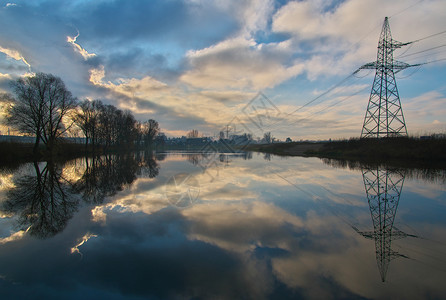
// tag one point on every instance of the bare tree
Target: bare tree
(108, 122)
(87, 119)
(152, 129)
(126, 129)
(267, 137)
(41, 105)
(193, 133)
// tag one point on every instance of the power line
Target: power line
(409, 7)
(326, 92)
(429, 36)
(422, 51)
(430, 55)
(434, 61)
(416, 70)
(312, 101)
(323, 109)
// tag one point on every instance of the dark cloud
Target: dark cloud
(13, 68)
(5, 84)
(138, 62)
(176, 21)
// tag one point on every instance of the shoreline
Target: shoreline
(429, 153)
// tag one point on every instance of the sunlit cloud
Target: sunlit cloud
(6, 182)
(240, 227)
(5, 76)
(98, 215)
(240, 64)
(84, 239)
(210, 106)
(85, 54)
(13, 237)
(14, 54)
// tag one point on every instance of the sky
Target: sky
(244, 66)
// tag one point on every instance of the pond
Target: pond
(182, 225)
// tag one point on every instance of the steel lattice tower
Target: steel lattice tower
(383, 188)
(384, 116)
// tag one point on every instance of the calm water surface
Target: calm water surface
(250, 226)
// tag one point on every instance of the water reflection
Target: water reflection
(383, 188)
(255, 229)
(47, 198)
(430, 174)
(43, 202)
(106, 175)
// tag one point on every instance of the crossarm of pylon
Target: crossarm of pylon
(395, 44)
(397, 66)
(398, 234)
(367, 234)
(368, 66)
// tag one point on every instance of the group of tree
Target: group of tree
(43, 107)
(193, 134)
(105, 125)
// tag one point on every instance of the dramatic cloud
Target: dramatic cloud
(195, 64)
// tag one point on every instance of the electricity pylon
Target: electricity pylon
(384, 116)
(383, 188)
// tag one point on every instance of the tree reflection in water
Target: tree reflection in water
(43, 202)
(46, 200)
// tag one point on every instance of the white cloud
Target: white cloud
(426, 112)
(344, 38)
(130, 87)
(256, 15)
(240, 63)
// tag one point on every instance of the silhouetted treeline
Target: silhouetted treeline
(105, 125)
(42, 106)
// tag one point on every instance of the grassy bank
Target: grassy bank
(12, 153)
(367, 150)
(291, 149)
(16, 153)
